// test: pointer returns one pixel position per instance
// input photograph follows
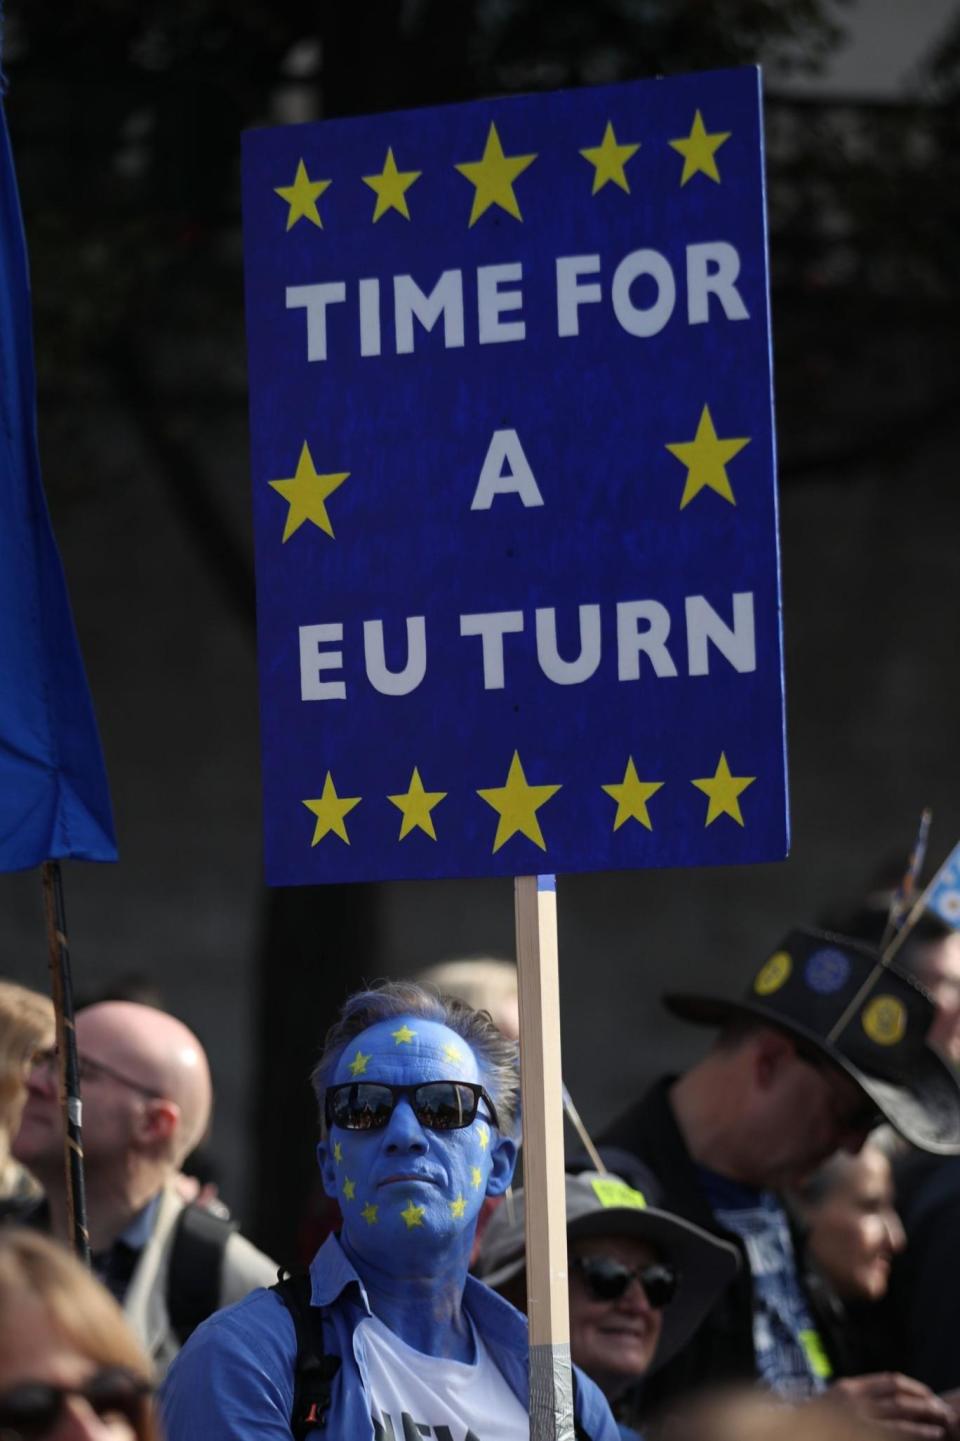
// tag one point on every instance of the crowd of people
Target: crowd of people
(763, 1244)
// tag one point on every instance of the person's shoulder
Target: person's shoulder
(234, 1378)
(924, 1185)
(593, 1409)
(259, 1324)
(642, 1121)
(244, 1267)
(644, 1146)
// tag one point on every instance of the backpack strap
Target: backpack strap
(196, 1268)
(314, 1370)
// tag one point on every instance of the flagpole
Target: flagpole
(573, 1116)
(912, 918)
(69, 1074)
(904, 892)
(886, 958)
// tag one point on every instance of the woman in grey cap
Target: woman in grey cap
(641, 1280)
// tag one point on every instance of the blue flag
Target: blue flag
(943, 894)
(54, 800)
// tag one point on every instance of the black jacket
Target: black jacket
(924, 1299)
(721, 1352)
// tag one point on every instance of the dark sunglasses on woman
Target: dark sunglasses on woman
(438, 1105)
(607, 1279)
(32, 1410)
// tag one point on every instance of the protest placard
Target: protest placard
(514, 486)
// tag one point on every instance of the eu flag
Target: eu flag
(54, 800)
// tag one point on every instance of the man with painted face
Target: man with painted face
(417, 1097)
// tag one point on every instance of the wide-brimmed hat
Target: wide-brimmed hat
(871, 1020)
(606, 1206)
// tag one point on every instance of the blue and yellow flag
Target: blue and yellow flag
(54, 800)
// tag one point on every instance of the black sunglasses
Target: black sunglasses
(607, 1279)
(439, 1105)
(31, 1411)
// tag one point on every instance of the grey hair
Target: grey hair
(497, 1056)
(815, 1189)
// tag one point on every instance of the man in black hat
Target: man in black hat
(825, 1044)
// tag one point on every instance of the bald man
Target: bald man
(147, 1096)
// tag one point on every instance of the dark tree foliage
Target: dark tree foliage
(127, 117)
(126, 121)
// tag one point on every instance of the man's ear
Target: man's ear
(503, 1162)
(159, 1121)
(328, 1169)
(771, 1049)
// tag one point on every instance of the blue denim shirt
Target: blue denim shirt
(234, 1378)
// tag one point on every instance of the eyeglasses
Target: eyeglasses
(33, 1410)
(438, 1105)
(90, 1070)
(608, 1280)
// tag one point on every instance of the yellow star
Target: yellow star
(492, 177)
(517, 804)
(698, 150)
(359, 1064)
(302, 197)
(337, 1152)
(413, 1215)
(484, 1135)
(705, 457)
(457, 1208)
(723, 789)
(305, 493)
(415, 805)
(390, 187)
(452, 1054)
(608, 159)
(404, 1036)
(369, 1213)
(330, 810)
(349, 1189)
(631, 796)
(476, 1176)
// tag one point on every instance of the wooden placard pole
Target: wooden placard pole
(69, 1073)
(551, 1391)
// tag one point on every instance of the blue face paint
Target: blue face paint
(407, 1189)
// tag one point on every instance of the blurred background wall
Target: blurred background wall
(125, 123)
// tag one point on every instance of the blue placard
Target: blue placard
(514, 486)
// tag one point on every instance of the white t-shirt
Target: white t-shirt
(414, 1396)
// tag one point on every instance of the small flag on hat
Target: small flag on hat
(903, 899)
(943, 894)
